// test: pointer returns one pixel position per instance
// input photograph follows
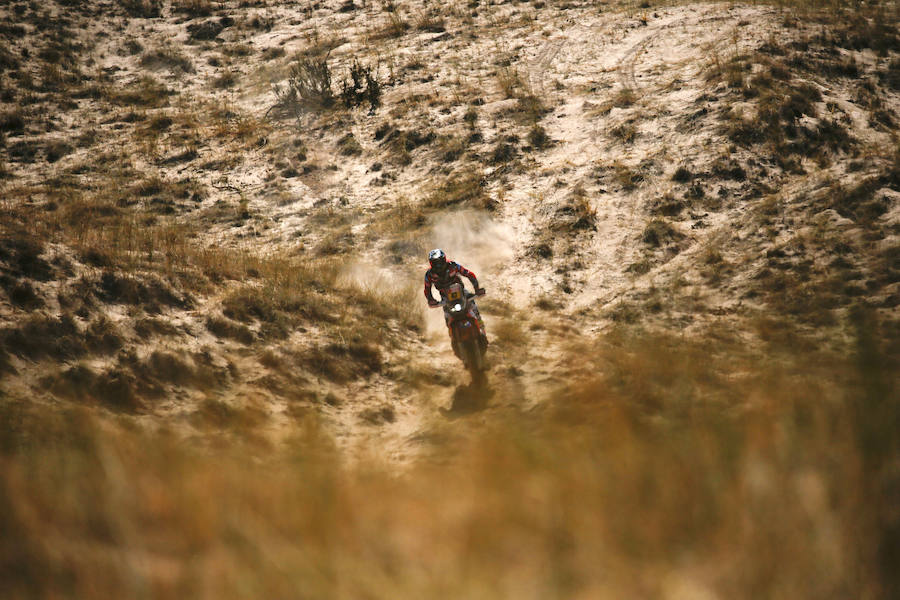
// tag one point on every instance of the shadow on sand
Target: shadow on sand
(469, 398)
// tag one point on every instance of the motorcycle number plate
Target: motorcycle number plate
(454, 295)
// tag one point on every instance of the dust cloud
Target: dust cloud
(475, 241)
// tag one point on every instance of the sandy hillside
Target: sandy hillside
(206, 252)
(219, 377)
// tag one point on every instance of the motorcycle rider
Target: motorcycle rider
(444, 273)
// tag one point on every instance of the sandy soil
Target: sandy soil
(576, 61)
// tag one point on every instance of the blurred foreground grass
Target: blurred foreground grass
(685, 470)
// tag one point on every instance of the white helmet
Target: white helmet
(438, 260)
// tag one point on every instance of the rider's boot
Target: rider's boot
(481, 330)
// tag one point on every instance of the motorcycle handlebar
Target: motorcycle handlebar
(443, 302)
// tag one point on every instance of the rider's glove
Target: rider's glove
(480, 291)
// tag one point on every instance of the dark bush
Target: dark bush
(378, 416)
(224, 328)
(143, 9)
(226, 80)
(114, 388)
(538, 137)
(344, 361)
(150, 326)
(668, 205)
(466, 190)
(8, 60)
(57, 149)
(103, 337)
(658, 233)
(22, 254)
(45, 337)
(150, 293)
(165, 58)
(22, 295)
(362, 86)
(349, 146)
(308, 87)
(682, 175)
(24, 151)
(503, 152)
(208, 30)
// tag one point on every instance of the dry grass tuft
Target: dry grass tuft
(460, 191)
(781, 448)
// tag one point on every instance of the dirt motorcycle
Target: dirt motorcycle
(464, 329)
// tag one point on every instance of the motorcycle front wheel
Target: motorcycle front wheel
(473, 357)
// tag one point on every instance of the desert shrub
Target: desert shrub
(575, 213)
(395, 27)
(470, 117)
(102, 336)
(12, 30)
(349, 146)
(509, 81)
(890, 76)
(431, 22)
(149, 292)
(227, 79)
(682, 175)
(237, 50)
(624, 97)
(87, 138)
(162, 368)
(22, 255)
(167, 58)
(193, 8)
(362, 86)
(640, 267)
(308, 87)
(143, 9)
(378, 416)
(626, 132)
(668, 205)
(225, 328)
(279, 303)
(340, 362)
(8, 60)
(41, 337)
(627, 177)
(24, 151)
(659, 233)
(114, 388)
(403, 141)
(208, 30)
(451, 148)
(860, 202)
(12, 122)
(503, 152)
(57, 149)
(529, 109)
(728, 168)
(273, 53)
(538, 138)
(146, 92)
(149, 326)
(461, 190)
(22, 294)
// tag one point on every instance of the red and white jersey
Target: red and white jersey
(452, 275)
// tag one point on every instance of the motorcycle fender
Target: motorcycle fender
(464, 330)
